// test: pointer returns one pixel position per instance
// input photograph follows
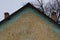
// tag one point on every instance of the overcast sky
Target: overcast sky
(13, 5)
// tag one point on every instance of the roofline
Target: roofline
(20, 9)
(28, 5)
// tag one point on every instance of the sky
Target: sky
(13, 5)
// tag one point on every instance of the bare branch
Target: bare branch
(41, 4)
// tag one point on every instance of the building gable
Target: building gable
(28, 23)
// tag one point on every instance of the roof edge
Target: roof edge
(20, 9)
